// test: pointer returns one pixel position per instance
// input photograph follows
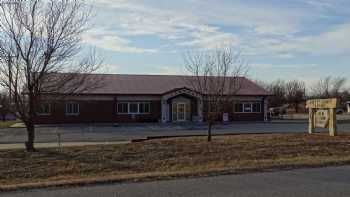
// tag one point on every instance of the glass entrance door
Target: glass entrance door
(181, 112)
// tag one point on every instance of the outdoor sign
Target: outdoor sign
(225, 117)
(322, 118)
(322, 114)
(322, 104)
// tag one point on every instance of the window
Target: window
(123, 108)
(144, 108)
(44, 109)
(72, 109)
(256, 107)
(239, 107)
(248, 107)
(134, 108)
(213, 108)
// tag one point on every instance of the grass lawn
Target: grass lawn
(7, 124)
(174, 157)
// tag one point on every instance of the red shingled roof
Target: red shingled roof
(157, 85)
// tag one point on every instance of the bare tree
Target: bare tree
(295, 93)
(217, 75)
(328, 87)
(4, 105)
(38, 40)
(338, 85)
(278, 90)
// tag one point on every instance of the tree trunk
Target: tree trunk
(31, 136)
(210, 124)
(296, 108)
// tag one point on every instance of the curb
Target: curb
(203, 135)
(17, 146)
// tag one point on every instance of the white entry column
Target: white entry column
(164, 111)
(200, 109)
(265, 110)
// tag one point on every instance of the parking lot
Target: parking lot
(106, 132)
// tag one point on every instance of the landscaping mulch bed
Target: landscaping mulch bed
(174, 157)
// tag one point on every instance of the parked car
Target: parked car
(277, 111)
(340, 111)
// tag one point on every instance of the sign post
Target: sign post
(322, 114)
(225, 117)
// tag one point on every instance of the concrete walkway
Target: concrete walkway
(128, 132)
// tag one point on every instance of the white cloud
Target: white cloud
(167, 70)
(259, 29)
(180, 27)
(110, 68)
(284, 66)
(110, 41)
(333, 42)
(260, 17)
(211, 38)
(323, 4)
(328, 7)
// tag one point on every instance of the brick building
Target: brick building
(147, 98)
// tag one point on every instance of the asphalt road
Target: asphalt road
(323, 182)
(101, 133)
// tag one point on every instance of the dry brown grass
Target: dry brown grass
(7, 124)
(174, 157)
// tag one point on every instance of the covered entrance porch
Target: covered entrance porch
(182, 105)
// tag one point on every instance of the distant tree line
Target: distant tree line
(295, 92)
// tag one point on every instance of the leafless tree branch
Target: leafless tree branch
(218, 76)
(40, 40)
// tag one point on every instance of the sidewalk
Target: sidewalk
(55, 145)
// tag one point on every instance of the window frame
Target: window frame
(127, 107)
(251, 108)
(145, 103)
(70, 113)
(138, 107)
(44, 114)
(259, 109)
(133, 103)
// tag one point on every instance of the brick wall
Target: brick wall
(104, 111)
(96, 112)
(229, 108)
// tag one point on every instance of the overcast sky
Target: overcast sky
(291, 39)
